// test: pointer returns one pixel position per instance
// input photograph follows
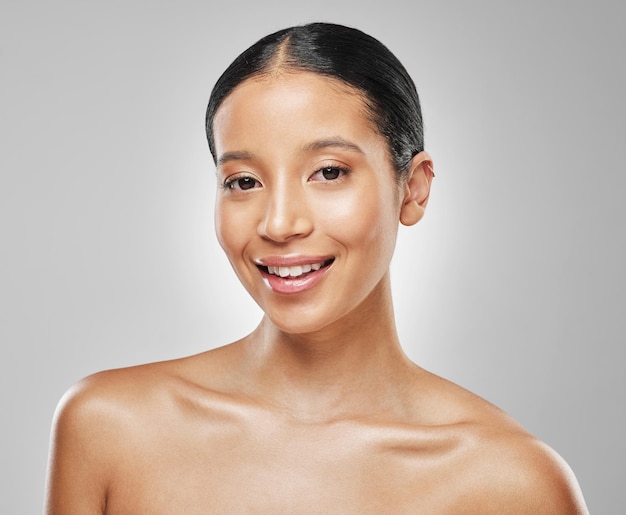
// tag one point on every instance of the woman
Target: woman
(316, 133)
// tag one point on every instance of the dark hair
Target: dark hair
(348, 55)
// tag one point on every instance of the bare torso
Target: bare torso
(170, 438)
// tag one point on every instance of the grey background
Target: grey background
(513, 285)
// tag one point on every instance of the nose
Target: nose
(287, 215)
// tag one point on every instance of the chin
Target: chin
(299, 323)
(301, 327)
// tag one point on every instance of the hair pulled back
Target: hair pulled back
(342, 53)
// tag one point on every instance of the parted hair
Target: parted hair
(345, 54)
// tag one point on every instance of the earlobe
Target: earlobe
(417, 189)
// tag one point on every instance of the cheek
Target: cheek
(229, 229)
(366, 219)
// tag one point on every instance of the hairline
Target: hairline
(276, 67)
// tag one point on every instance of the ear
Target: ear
(416, 189)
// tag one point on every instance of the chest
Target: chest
(281, 469)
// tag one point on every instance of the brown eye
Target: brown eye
(245, 183)
(241, 183)
(331, 174)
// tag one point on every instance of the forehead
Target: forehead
(288, 107)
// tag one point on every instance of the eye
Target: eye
(241, 183)
(329, 173)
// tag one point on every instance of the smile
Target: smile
(293, 271)
(286, 279)
(283, 269)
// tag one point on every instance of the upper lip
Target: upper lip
(291, 260)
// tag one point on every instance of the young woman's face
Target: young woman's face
(307, 205)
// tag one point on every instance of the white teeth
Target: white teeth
(293, 271)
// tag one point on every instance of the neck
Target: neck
(345, 369)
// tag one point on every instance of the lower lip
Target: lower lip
(291, 285)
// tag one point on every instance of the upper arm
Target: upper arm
(79, 455)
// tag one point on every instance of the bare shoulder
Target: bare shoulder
(108, 397)
(126, 396)
(502, 468)
(105, 420)
(514, 472)
(85, 444)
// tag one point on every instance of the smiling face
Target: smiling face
(308, 205)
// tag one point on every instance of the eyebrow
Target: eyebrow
(235, 155)
(334, 142)
(320, 144)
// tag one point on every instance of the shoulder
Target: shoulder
(125, 398)
(119, 396)
(97, 425)
(93, 412)
(86, 444)
(508, 470)
(500, 467)
(109, 390)
(514, 469)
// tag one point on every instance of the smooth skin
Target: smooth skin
(318, 410)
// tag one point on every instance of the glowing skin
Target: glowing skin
(308, 179)
(318, 409)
